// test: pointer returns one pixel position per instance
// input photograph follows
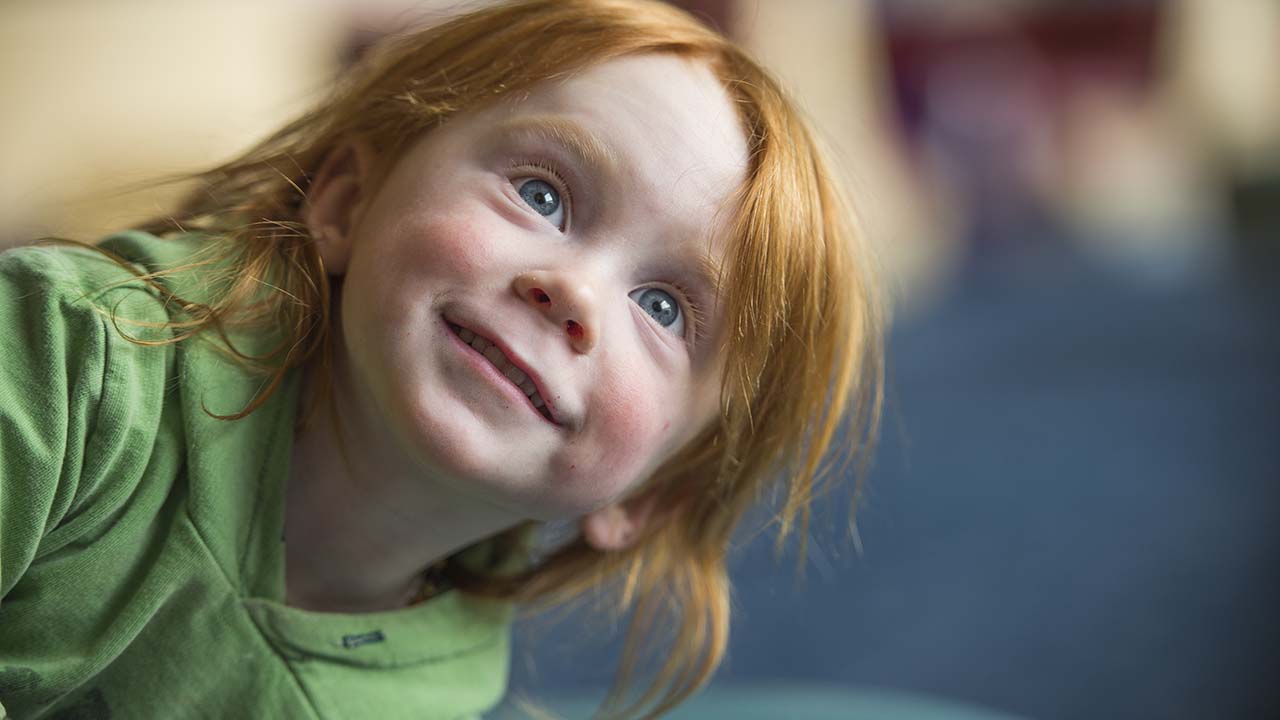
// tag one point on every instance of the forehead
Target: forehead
(675, 111)
(668, 124)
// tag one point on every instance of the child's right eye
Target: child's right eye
(544, 198)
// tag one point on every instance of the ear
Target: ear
(339, 187)
(618, 525)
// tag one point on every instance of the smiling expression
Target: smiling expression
(529, 303)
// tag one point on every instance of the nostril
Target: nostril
(540, 297)
(573, 328)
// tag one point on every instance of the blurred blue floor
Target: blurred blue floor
(1072, 514)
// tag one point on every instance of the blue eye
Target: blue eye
(543, 197)
(662, 306)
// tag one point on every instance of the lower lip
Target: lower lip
(504, 385)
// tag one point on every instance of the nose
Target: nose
(570, 305)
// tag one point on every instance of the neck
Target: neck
(362, 523)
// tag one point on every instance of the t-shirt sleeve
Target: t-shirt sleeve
(58, 351)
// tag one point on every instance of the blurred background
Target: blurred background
(1076, 206)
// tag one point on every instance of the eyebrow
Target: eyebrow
(585, 145)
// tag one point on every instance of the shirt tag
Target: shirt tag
(355, 641)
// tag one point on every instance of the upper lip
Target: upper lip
(515, 358)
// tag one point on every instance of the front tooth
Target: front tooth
(494, 355)
(466, 335)
(537, 400)
(527, 386)
(514, 374)
(480, 344)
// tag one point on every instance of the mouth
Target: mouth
(518, 376)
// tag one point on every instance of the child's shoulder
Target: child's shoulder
(59, 275)
(80, 403)
(81, 289)
(75, 320)
(78, 271)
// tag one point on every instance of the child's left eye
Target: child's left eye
(662, 306)
(543, 197)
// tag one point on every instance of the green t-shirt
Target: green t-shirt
(141, 539)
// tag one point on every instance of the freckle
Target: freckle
(573, 467)
(666, 425)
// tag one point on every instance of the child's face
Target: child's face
(571, 228)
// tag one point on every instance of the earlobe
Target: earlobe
(336, 192)
(618, 526)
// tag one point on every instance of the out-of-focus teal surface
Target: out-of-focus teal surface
(780, 702)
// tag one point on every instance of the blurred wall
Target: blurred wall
(102, 96)
(1222, 58)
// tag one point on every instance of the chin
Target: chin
(544, 499)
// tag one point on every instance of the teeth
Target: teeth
(514, 374)
(495, 356)
(500, 361)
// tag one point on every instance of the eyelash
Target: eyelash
(694, 310)
(550, 173)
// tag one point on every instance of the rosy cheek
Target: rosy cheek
(628, 431)
(450, 246)
(633, 421)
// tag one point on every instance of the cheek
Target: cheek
(632, 422)
(633, 429)
(451, 246)
(401, 268)
(400, 271)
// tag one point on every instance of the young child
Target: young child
(281, 453)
